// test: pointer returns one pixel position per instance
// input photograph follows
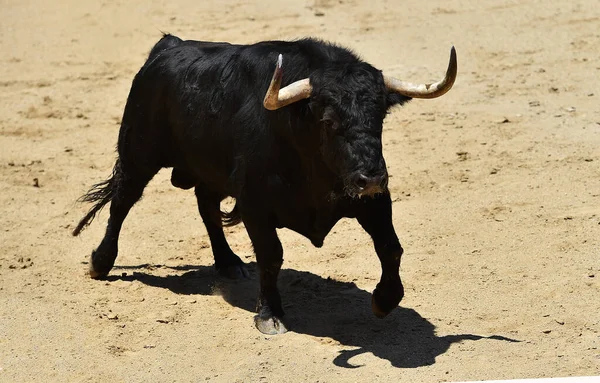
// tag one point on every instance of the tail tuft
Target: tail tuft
(231, 218)
(100, 194)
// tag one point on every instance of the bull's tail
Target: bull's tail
(231, 218)
(100, 194)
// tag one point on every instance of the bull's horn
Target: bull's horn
(278, 98)
(425, 90)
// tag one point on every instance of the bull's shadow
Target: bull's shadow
(324, 308)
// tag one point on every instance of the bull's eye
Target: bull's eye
(329, 123)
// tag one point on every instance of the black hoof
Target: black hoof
(237, 271)
(379, 313)
(96, 275)
(99, 266)
(270, 325)
(386, 298)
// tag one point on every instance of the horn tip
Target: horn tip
(452, 65)
(280, 61)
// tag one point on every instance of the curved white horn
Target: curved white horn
(425, 90)
(276, 98)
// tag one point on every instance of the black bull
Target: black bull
(301, 157)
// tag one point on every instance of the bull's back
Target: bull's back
(200, 105)
(183, 107)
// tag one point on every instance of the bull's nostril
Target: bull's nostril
(370, 185)
(361, 181)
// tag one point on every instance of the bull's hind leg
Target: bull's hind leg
(226, 262)
(126, 189)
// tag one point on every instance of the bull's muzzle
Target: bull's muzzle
(365, 185)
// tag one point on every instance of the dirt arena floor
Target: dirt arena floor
(496, 190)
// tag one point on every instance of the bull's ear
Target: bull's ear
(394, 98)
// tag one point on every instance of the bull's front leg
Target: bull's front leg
(375, 216)
(269, 258)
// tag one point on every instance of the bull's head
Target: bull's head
(350, 100)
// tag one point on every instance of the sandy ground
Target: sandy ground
(496, 190)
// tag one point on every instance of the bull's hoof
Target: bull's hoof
(379, 313)
(386, 298)
(95, 274)
(270, 325)
(237, 271)
(99, 266)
